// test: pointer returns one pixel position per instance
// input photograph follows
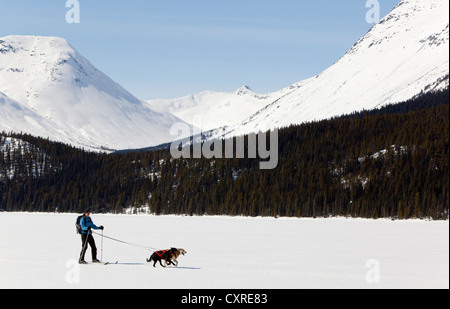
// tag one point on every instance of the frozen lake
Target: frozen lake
(41, 251)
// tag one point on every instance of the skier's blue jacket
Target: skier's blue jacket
(86, 223)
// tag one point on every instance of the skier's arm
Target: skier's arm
(85, 227)
(94, 226)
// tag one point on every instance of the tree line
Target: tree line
(391, 162)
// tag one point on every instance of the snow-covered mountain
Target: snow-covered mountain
(405, 54)
(49, 89)
(218, 109)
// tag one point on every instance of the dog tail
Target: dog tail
(150, 258)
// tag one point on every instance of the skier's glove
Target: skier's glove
(101, 227)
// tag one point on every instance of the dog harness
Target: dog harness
(160, 253)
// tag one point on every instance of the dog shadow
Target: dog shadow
(183, 267)
(168, 267)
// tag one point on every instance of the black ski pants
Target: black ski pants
(85, 240)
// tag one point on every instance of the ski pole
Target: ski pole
(101, 256)
(85, 243)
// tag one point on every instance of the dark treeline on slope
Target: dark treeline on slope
(392, 162)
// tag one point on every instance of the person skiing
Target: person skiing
(87, 224)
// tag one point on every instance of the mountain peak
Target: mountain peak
(29, 43)
(36, 62)
(18, 37)
(46, 78)
(244, 90)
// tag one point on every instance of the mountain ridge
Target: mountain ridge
(403, 55)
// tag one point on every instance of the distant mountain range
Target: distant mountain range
(48, 89)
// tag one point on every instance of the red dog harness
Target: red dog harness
(161, 252)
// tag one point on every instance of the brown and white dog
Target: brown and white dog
(176, 254)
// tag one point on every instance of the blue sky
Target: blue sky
(172, 48)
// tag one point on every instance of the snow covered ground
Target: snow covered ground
(41, 250)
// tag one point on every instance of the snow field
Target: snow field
(41, 251)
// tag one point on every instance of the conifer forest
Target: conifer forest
(392, 162)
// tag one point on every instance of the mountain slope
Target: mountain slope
(405, 54)
(16, 118)
(49, 77)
